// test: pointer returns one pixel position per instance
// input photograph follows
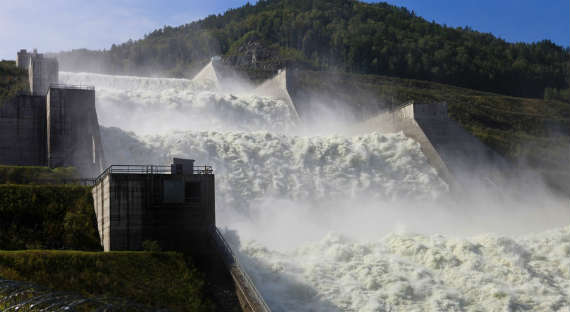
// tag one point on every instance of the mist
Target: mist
(311, 206)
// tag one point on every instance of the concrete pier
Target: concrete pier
(73, 137)
(458, 157)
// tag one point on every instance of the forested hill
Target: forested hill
(341, 35)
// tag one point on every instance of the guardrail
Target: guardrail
(245, 282)
(147, 169)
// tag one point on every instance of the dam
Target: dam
(50, 124)
(329, 222)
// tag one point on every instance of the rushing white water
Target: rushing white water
(159, 105)
(323, 220)
(411, 272)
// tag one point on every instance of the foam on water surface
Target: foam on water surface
(159, 105)
(318, 216)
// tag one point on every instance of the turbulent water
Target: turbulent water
(152, 105)
(324, 223)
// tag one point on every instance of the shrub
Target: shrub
(47, 217)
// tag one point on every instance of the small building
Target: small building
(172, 205)
(23, 59)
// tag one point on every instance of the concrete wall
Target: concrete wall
(458, 157)
(315, 94)
(73, 137)
(133, 208)
(430, 111)
(101, 203)
(42, 72)
(23, 131)
(468, 159)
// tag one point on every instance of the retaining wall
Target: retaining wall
(23, 131)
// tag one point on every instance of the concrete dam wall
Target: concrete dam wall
(459, 157)
(50, 125)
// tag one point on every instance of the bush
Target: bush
(47, 217)
(151, 246)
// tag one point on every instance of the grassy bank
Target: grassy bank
(153, 279)
(47, 217)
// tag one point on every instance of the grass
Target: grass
(34, 217)
(162, 279)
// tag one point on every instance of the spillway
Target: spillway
(328, 222)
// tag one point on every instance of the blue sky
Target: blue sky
(57, 25)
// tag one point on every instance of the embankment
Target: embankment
(154, 279)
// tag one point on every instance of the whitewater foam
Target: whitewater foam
(159, 105)
(413, 272)
(284, 192)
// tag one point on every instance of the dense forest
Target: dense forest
(344, 36)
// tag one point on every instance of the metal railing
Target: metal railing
(232, 262)
(147, 169)
(65, 86)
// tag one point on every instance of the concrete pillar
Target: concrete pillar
(73, 137)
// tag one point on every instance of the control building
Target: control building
(172, 205)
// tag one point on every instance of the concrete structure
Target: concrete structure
(23, 59)
(459, 157)
(42, 72)
(73, 137)
(174, 206)
(53, 125)
(23, 131)
(60, 130)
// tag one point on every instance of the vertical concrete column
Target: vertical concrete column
(73, 137)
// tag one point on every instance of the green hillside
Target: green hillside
(339, 35)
